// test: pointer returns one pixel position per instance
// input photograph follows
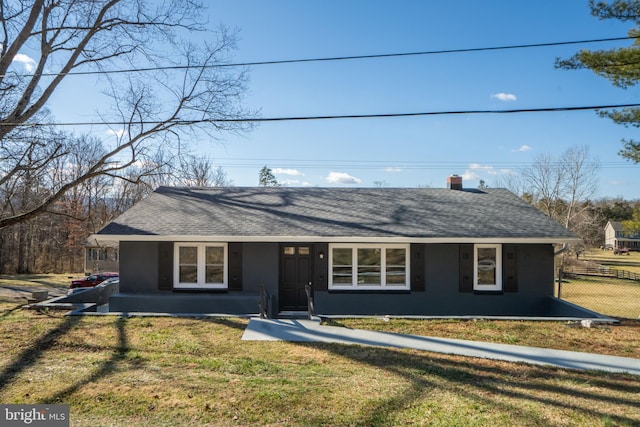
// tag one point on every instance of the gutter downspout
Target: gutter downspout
(565, 247)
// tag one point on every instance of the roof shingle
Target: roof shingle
(335, 212)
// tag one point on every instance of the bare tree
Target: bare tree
(200, 172)
(182, 93)
(561, 187)
(581, 181)
(220, 178)
(545, 180)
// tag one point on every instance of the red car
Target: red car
(92, 280)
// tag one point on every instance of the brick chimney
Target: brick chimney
(454, 182)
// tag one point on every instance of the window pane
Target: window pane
(487, 262)
(214, 274)
(188, 274)
(188, 255)
(342, 268)
(396, 272)
(396, 276)
(369, 268)
(342, 276)
(304, 250)
(369, 257)
(369, 276)
(342, 256)
(396, 257)
(214, 255)
(289, 250)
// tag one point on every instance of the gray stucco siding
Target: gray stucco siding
(260, 267)
(139, 270)
(442, 295)
(139, 267)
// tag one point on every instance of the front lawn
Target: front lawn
(197, 372)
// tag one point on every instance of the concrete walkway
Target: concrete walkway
(313, 331)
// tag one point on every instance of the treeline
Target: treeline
(590, 218)
(54, 241)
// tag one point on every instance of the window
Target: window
(369, 267)
(200, 266)
(487, 273)
(97, 254)
(103, 254)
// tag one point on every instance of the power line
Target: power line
(437, 113)
(397, 165)
(328, 117)
(335, 58)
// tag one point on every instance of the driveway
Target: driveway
(313, 331)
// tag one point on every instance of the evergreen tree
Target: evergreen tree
(619, 65)
(267, 179)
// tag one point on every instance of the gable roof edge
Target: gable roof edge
(333, 239)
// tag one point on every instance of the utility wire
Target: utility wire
(328, 117)
(400, 165)
(334, 58)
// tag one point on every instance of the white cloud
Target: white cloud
(469, 175)
(476, 172)
(117, 133)
(292, 172)
(506, 97)
(28, 62)
(488, 169)
(393, 169)
(342, 178)
(523, 148)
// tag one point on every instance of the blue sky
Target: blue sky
(418, 151)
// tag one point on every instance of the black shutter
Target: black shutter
(509, 269)
(235, 266)
(417, 267)
(466, 268)
(321, 267)
(165, 266)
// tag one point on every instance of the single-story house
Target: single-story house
(362, 251)
(101, 256)
(615, 236)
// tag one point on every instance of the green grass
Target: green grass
(606, 295)
(613, 297)
(629, 262)
(56, 284)
(193, 372)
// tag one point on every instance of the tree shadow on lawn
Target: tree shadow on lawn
(478, 382)
(119, 355)
(487, 385)
(106, 368)
(10, 311)
(30, 356)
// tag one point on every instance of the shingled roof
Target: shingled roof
(334, 214)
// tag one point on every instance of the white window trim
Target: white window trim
(97, 254)
(496, 286)
(383, 267)
(200, 266)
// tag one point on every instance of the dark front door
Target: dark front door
(296, 270)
